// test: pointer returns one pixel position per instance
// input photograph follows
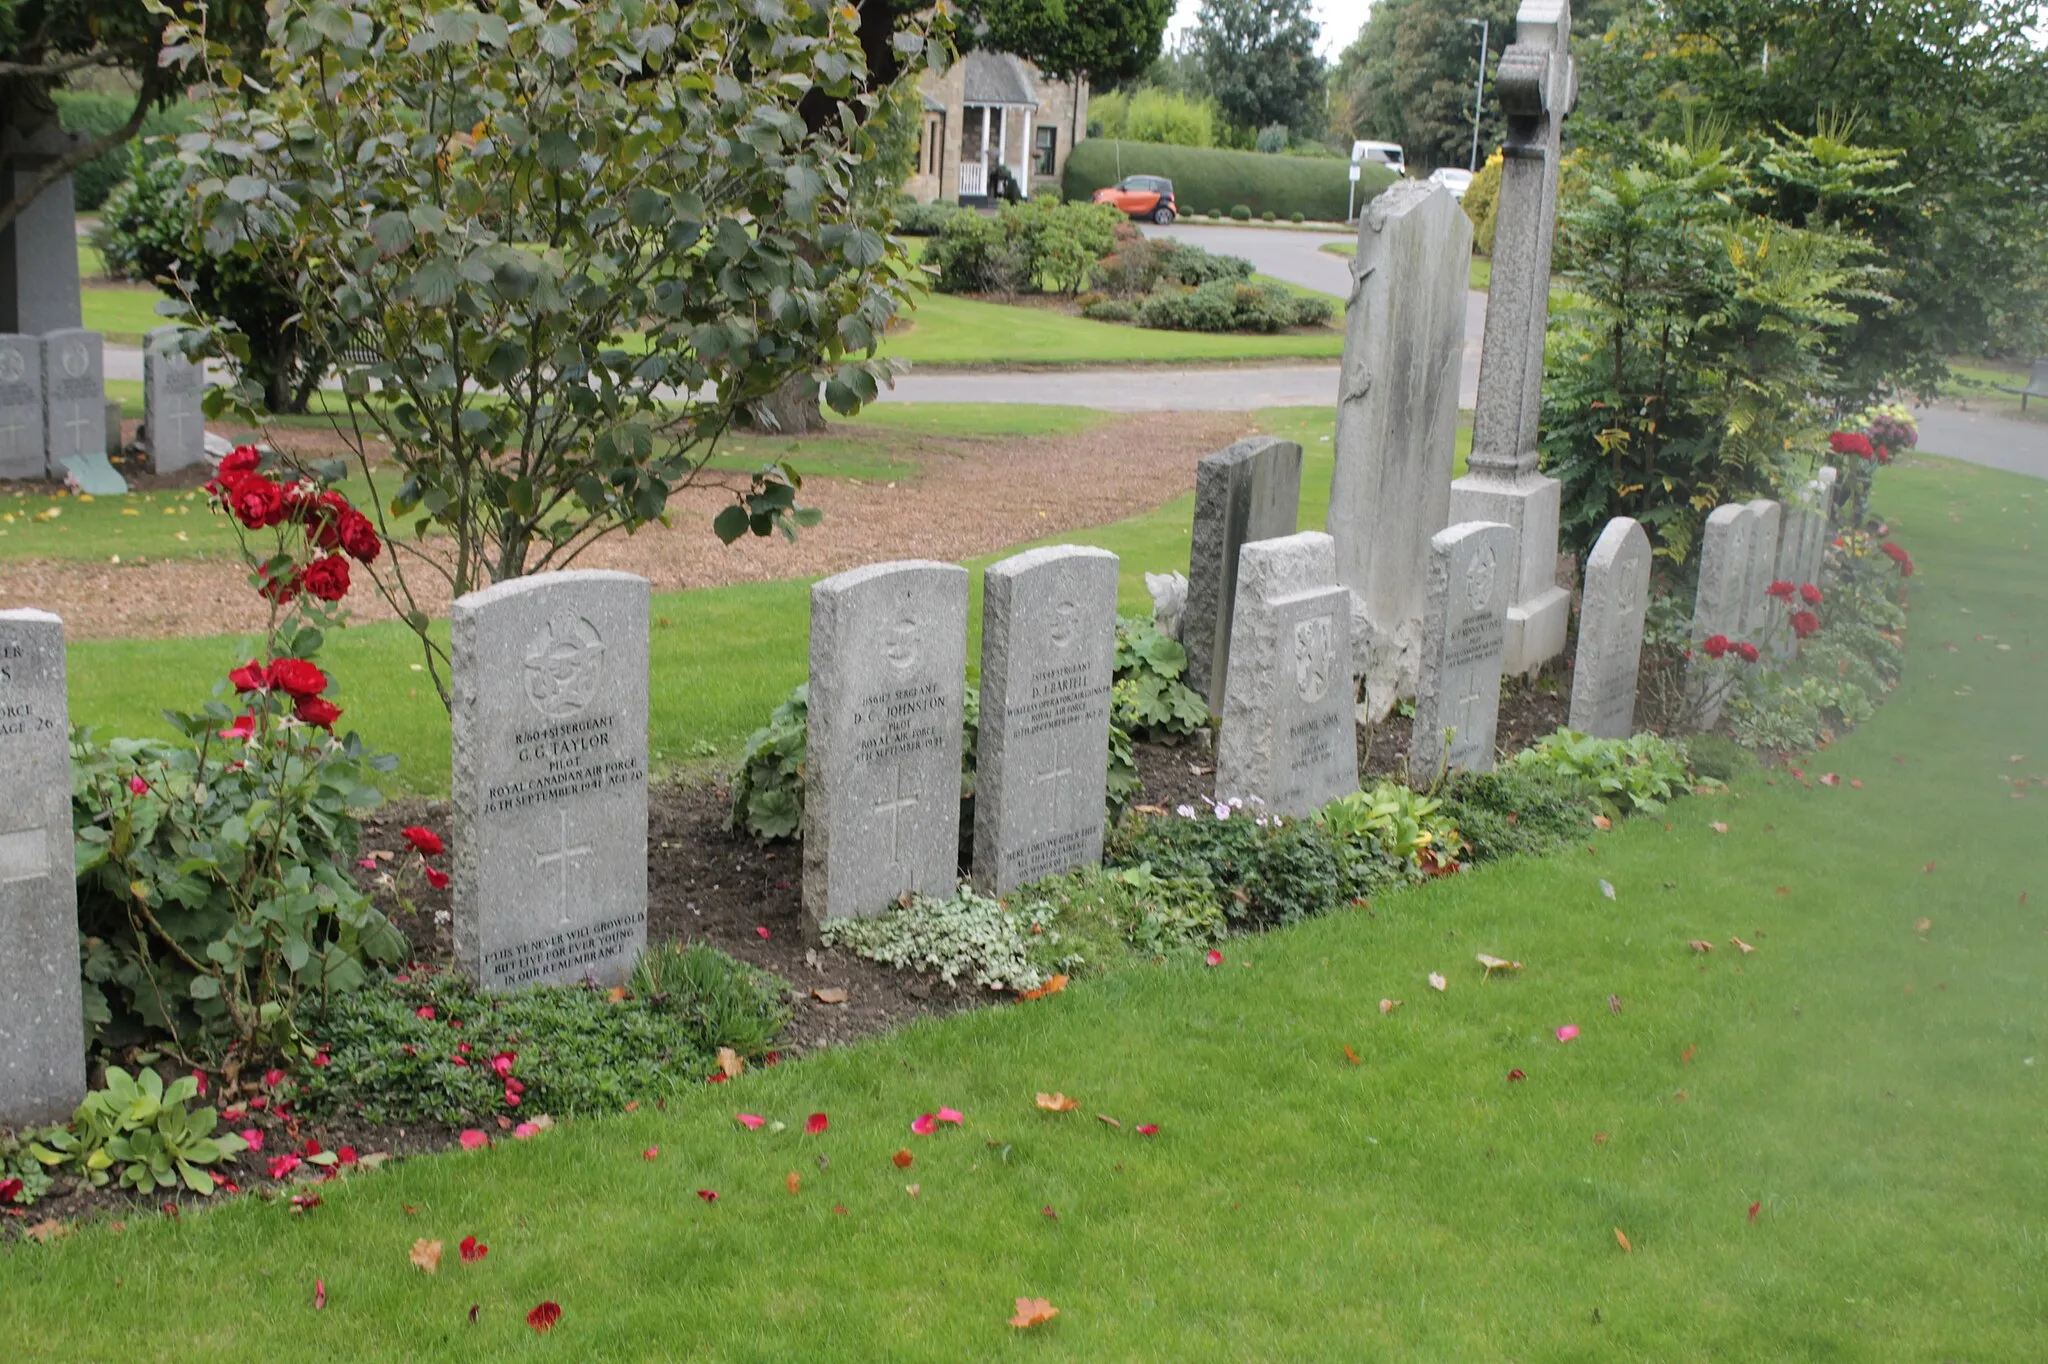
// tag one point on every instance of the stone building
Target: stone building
(990, 109)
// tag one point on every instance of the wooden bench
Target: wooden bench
(2037, 387)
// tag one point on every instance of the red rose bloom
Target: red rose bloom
(251, 676)
(1781, 589)
(323, 516)
(425, 841)
(244, 727)
(436, 878)
(359, 537)
(256, 502)
(1748, 652)
(1810, 594)
(1804, 623)
(1715, 645)
(298, 677)
(243, 459)
(316, 711)
(1851, 443)
(326, 578)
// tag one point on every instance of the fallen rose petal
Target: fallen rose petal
(1517, 1074)
(320, 1291)
(1388, 1006)
(1754, 1208)
(792, 1182)
(816, 1123)
(913, 1189)
(903, 1159)
(472, 1250)
(952, 1115)
(526, 1129)
(1437, 981)
(651, 1153)
(924, 1124)
(1057, 1102)
(252, 1138)
(1214, 958)
(544, 1317)
(1621, 1240)
(1149, 1129)
(753, 1122)
(473, 1138)
(708, 1195)
(1567, 1032)
(761, 931)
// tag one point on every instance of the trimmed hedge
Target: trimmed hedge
(1283, 185)
(95, 113)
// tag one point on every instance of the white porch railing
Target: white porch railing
(974, 178)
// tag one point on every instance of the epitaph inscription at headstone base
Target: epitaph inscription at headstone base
(173, 388)
(882, 766)
(1048, 656)
(1537, 84)
(1717, 606)
(1250, 491)
(1457, 703)
(42, 1024)
(1611, 615)
(23, 452)
(550, 778)
(1397, 424)
(1288, 735)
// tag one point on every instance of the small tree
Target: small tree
(567, 244)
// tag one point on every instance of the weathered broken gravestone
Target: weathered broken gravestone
(1611, 616)
(1048, 655)
(22, 452)
(1397, 423)
(1538, 85)
(42, 1025)
(1251, 491)
(882, 767)
(75, 411)
(172, 389)
(1457, 702)
(1718, 607)
(550, 778)
(1288, 735)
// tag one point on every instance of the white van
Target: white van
(1388, 154)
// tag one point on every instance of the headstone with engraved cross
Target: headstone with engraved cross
(75, 411)
(22, 453)
(882, 759)
(1611, 618)
(550, 778)
(42, 1028)
(1457, 702)
(1538, 86)
(1289, 734)
(172, 389)
(1048, 655)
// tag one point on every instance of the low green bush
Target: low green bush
(1296, 217)
(965, 936)
(914, 219)
(1267, 216)
(1257, 872)
(1191, 265)
(1644, 771)
(1393, 822)
(1519, 811)
(1037, 244)
(1241, 212)
(1227, 306)
(724, 1001)
(1110, 310)
(1316, 187)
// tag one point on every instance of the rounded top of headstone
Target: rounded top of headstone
(1623, 535)
(562, 580)
(1049, 554)
(855, 578)
(29, 615)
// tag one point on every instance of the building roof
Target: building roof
(996, 78)
(933, 105)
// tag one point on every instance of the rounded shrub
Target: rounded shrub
(1241, 212)
(1109, 310)
(1267, 216)
(1297, 217)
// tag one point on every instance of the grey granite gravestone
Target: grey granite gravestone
(1611, 616)
(1717, 607)
(1397, 423)
(1762, 617)
(42, 1024)
(550, 778)
(39, 250)
(172, 389)
(1288, 736)
(22, 449)
(1250, 491)
(1457, 702)
(882, 768)
(1048, 655)
(75, 411)
(1538, 84)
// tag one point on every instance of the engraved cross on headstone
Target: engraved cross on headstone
(12, 434)
(1056, 775)
(1474, 694)
(80, 428)
(895, 810)
(176, 419)
(561, 857)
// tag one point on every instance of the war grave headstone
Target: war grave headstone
(42, 1025)
(1048, 655)
(550, 778)
(22, 449)
(882, 766)
(1250, 491)
(1397, 424)
(75, 412)
(1612, 612)
(1538, 86)
(1288, 734)
(172, 389)
(1717, 606)
(1764, 618)
(1457, 702)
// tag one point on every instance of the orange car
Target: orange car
(1142, 196)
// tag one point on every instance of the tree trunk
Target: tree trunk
(791, 410)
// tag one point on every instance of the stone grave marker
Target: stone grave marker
(1717, 607)
(1397, 423)
(1250, 491)
(1611, 616)
(75, 412)
(1048, 654)
(39, 250)
(42, 1024)
(1471, 582)
(550, 778)
(22, 449)
(1763, 618)
(172, 387)
(1288, 735)
(882, 770)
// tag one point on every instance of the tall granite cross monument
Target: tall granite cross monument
(1538, 87)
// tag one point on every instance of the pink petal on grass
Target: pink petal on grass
(1214, 958)
(473, 1138)
(952, 1115)
(1148, 1129)
(753, 1122)
(816, 1123)
(526, 1129)
(924, 1125)
(1567, 1032)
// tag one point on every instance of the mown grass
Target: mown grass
(1480, 275)
(1870, 1081)
(945, 331)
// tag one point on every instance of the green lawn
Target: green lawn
(948, 331)
(1480, 276)
(1977, 382)
(1870, 1088)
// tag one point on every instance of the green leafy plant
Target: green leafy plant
(723, 1001)
(768, 788)
(1395, 823)
(965, 936)
(1518, 811)
(1259, 871)
(1148, 698)
(1644, 771)
(1038, 244)
(1224, 306)
(139, 1133)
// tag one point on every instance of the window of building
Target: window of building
(1045, 145)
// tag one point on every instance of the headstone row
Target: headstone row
(1744, 548)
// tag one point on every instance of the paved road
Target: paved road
(1999, 442)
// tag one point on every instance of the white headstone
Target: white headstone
(1289, 732)
(882, 767)
(1048, 655)
(172, 389)
(22, 449)
(42, 1024)
(1611, 617)
(1397, 423)
(1250, 491)
(1763, 618)
(550, 778)
(74, 396)
(1718, 606)
(1457, 704)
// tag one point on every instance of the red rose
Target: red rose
(326, 578)
(1811, 594)
(436, 878)
(244, 727)
(359, 537)
(256, 502)
(251, 676)
(1748, 652)
(1781, 589)
(279, 590)
(316, 711)
(1715, 645)
(1804, 623)
(1851, 443)
(322, 516)
(243, 459)
(298, 677)
(424, 841)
